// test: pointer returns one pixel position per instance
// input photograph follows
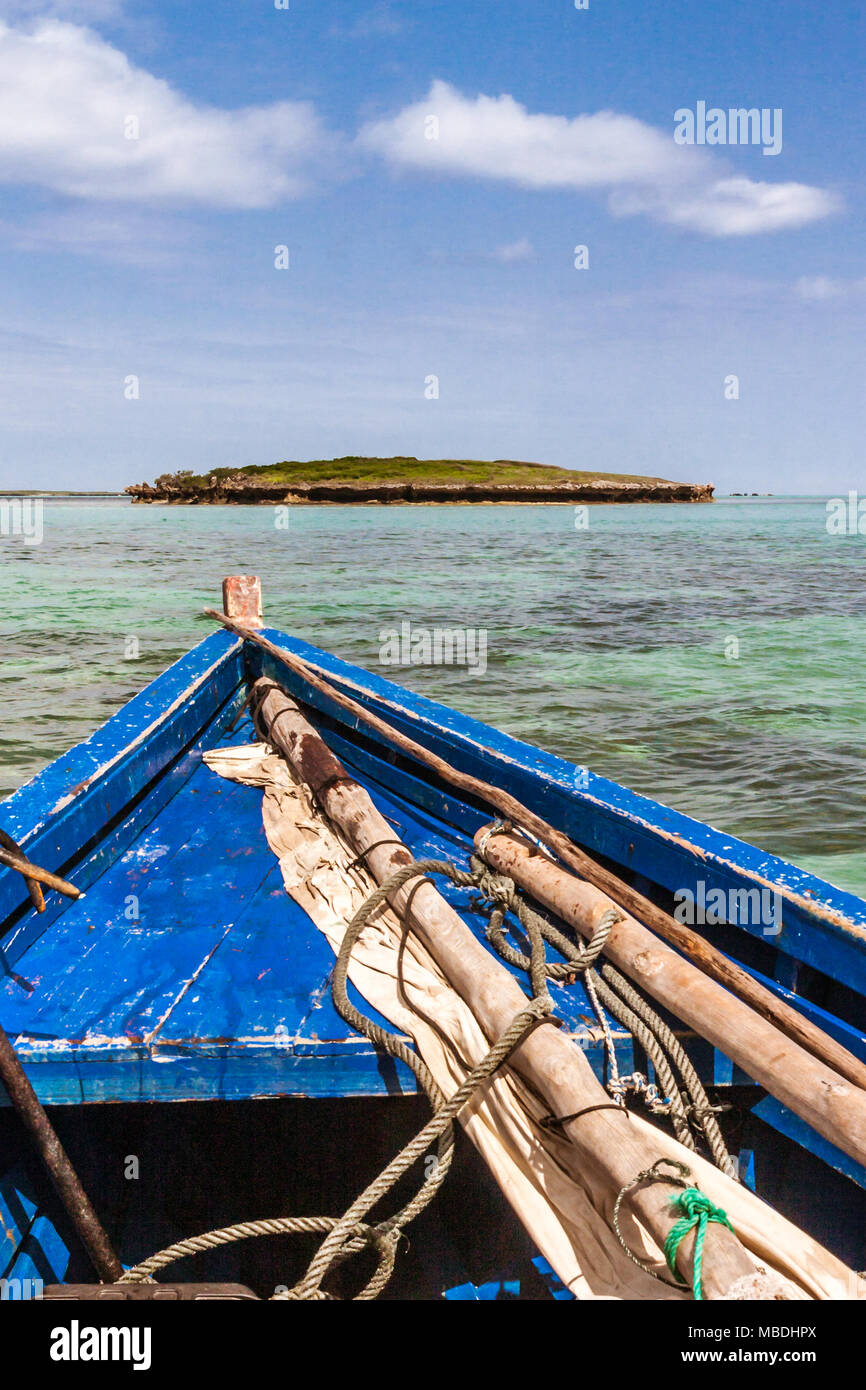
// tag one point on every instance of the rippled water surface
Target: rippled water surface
(615, 646)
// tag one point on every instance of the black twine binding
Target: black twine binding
(376, 845)
(560, 1121)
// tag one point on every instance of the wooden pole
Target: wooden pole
(823, 1098)
(61, 1172)
(609, 1152)
(691, 943)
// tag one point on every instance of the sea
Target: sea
(706, 655)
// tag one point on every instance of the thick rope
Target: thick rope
(621, 1000)
(665, 1044)
(363, 1236)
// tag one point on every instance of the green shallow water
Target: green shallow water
(607, 645)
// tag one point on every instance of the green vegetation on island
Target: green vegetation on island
(407, 479)
(354, 469)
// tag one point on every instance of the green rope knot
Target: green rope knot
(697, 1211)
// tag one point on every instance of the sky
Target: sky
(429, 168)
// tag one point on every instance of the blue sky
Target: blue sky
(256, 127)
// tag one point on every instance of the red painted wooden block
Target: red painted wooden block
(242, 599)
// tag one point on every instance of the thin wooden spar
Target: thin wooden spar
(37, 897)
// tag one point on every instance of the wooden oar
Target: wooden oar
(609, 1151)
(689, 942)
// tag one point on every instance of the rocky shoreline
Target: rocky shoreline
(234, 491)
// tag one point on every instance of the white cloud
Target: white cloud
(642, 168)
(819, 288)
(66, 96)
(496, 137)
(730, 207)
(522, 250)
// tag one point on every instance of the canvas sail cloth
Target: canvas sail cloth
(531, 1165)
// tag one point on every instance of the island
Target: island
(410, 480)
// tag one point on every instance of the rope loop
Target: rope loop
(696, 1210)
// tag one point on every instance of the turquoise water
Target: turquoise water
(613, 646)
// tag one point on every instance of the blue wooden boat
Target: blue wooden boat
(193, 1063)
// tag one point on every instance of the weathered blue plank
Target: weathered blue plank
(46, 794)
(106, 977)
(73, 802)
(29, 925)
(262, 985)
(779, 1117)
(139, 881)
(171, 1072)
(42, 1257)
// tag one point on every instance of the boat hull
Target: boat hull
(187, 974)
